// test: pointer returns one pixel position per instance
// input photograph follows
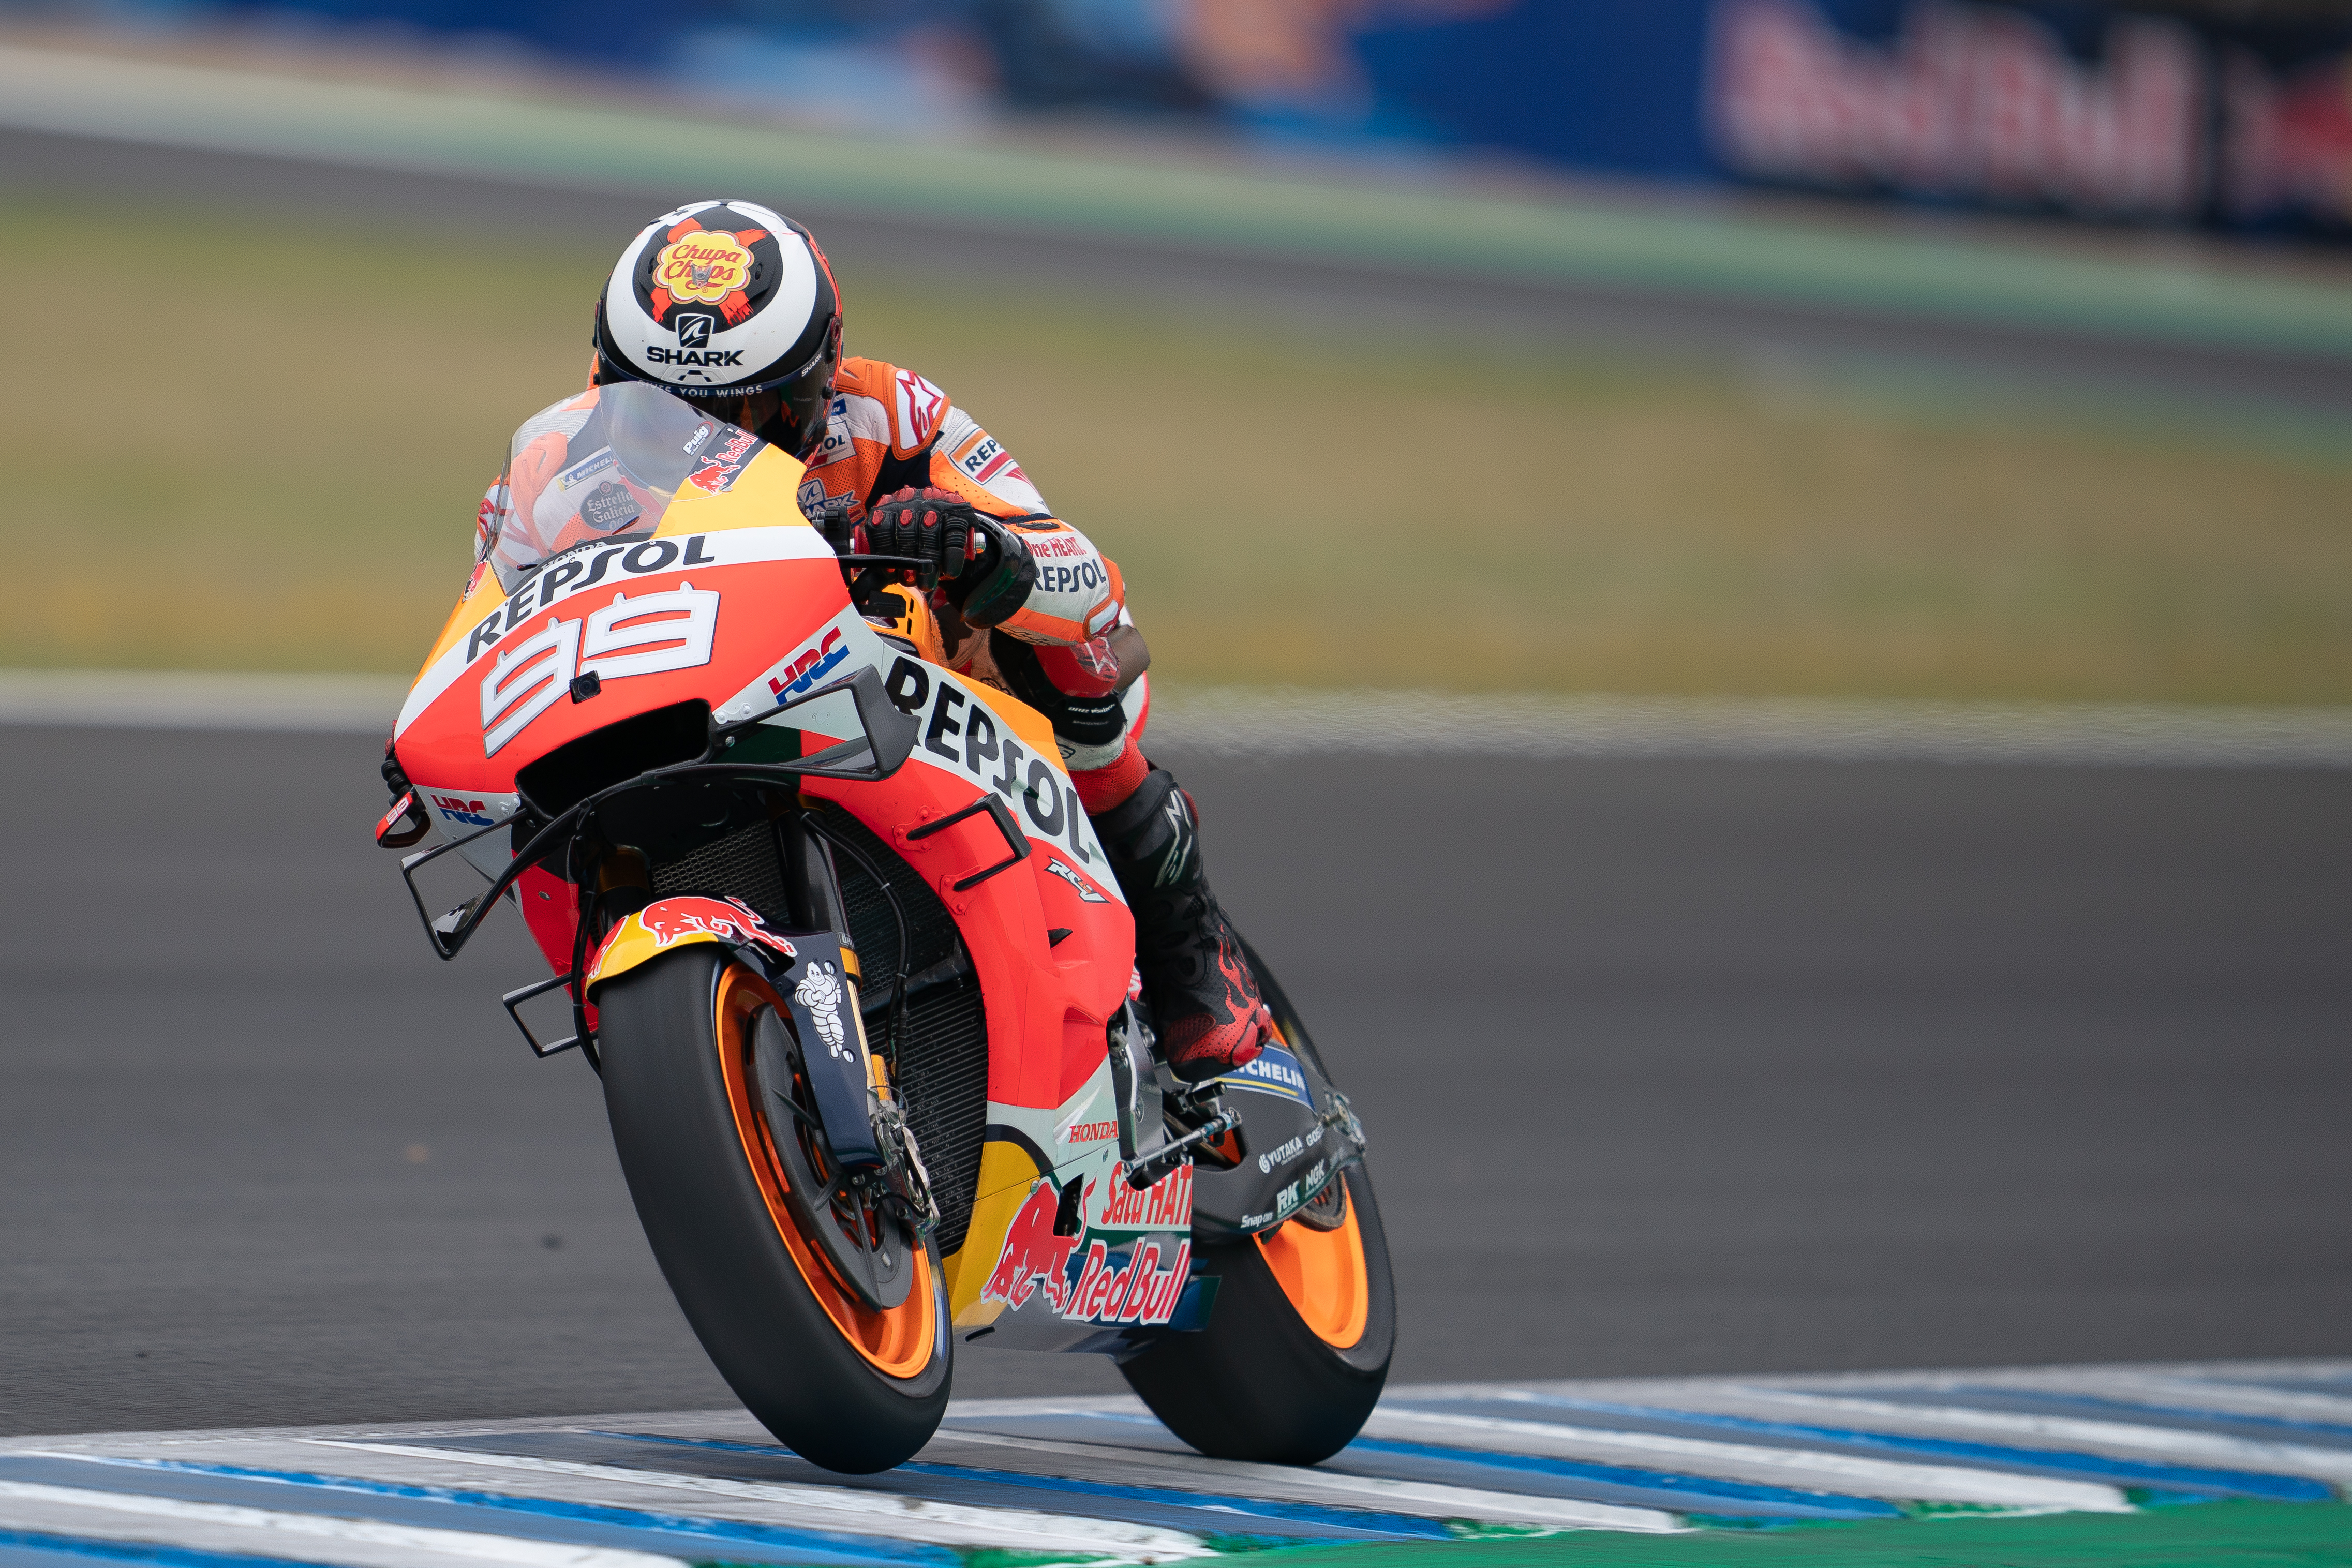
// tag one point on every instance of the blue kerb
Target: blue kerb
(1698, 1489)
(2136, 1472)
(1362, 1519)
(2284, 1425)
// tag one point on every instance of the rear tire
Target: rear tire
(1260, 1382)
(844, 1386)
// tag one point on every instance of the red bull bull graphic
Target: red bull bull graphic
(729, 919)
(1032, 1256)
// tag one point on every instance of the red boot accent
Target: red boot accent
(1102, 789)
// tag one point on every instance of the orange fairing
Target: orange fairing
(897, 1341)
(1322, 1272)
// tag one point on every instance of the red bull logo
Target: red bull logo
(1130, 1287)
(1033, 1255)
(729, 920)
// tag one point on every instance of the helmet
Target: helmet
(731, 305)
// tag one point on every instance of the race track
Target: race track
(1671, 1067)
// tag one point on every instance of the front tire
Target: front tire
(847, 1386)
(1298, 1342)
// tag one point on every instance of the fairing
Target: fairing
(724, 595)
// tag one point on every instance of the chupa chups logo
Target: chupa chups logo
(694, 329)
(705, 265)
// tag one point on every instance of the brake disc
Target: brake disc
(847, 1214)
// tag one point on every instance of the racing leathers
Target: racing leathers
(890, 435)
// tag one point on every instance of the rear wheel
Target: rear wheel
(1297, 1346)
(848, 1384)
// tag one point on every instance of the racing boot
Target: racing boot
(1210, 1016)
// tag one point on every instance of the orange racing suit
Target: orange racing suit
(891, 429)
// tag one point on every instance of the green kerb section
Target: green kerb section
(1428, 226)
(2209, 1535)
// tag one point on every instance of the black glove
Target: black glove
(1088, 720)
(399, 832)
(395, 779)
(984, 566)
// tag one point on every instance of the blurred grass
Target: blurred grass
(228, 444)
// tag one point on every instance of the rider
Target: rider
(733, 306)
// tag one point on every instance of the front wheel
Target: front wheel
(1298, 1342)
(847, 1384)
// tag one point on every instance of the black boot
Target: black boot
(1211, 1019)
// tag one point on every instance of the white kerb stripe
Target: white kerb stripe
(1427, 1501)
(2220, 1399)
(1871, 1478)
(867, 1512)
(2210, 1448)
(406, 1537)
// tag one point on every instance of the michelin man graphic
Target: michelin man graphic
(820, 992)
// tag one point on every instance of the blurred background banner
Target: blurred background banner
(2235, 113)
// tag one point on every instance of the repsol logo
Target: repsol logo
(658, 355)
(963, 733)
(1080, 579)
(584, 569)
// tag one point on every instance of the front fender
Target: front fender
(666, 924)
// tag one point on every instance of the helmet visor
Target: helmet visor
(790, 414)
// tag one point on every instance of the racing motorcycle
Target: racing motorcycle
(831, 927)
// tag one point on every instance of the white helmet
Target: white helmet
(732, 305)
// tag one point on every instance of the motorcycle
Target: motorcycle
(835, 934)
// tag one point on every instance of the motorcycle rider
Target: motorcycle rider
(733, 306)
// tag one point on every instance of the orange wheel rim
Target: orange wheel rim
(1322, 1274)
(897, 1342)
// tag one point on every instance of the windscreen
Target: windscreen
(603, 465)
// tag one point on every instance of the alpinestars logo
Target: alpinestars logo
(694, 330)
(1178, 858)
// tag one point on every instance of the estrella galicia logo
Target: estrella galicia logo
(694, 329)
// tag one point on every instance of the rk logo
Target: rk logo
(694, 330)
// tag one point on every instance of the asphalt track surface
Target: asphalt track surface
(1671, 1068)
(1363, 303)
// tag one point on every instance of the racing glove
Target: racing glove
(986, 571)
(404, 821)
(1075, 687)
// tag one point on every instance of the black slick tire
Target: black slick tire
(715, 1236)
(1257, 1384)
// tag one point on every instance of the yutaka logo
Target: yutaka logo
(729, 920)
(694, 330)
